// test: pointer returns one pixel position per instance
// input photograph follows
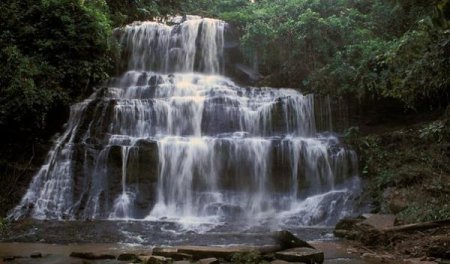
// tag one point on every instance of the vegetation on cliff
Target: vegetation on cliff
(370, 49)
(407, 168)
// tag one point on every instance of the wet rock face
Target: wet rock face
(234, 58)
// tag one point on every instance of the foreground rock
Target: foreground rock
(286, 240)
(127, 257)
(288, 248)
(379, 221)
(369, 229)
(204, 252)
(302, 254)
(172, 253)
(209, 261)
(91, 256)
(155, 260)
(36, 255)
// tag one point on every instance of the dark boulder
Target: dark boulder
(127, 257)
(287, 240)
(91, 256)
(36, 255)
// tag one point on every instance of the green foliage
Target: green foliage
(369, 49)
(22, 99)
(411, 66)
(253, 257)
(352, 133)
(211, 8)
(433, 131)
(4, 225)
(414, 161)
(427, 211)
(124, 12)
(53, 52)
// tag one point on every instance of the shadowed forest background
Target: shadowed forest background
(389, 60)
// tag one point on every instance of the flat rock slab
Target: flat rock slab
(379, 221)
(155, 260)
(202, 252)
(172, 253)
(209, 261)
(302, 254)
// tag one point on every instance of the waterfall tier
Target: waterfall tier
(193, 44)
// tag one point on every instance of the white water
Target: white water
(195, 44)
(173, 140)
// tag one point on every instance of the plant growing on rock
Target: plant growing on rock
(253, 257)
(4, 224)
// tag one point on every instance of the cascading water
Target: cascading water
(174, 140)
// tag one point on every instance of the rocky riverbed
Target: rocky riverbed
(90, 242)
(334, 252)
(364, 240)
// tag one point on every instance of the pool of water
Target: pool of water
(152, 233)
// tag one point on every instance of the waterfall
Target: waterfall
(195, 44)
(174, 139)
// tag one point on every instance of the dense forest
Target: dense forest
(371, 49)
(374, 53)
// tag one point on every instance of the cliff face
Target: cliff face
(406, 165)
